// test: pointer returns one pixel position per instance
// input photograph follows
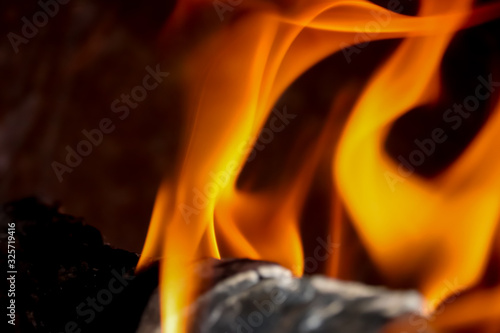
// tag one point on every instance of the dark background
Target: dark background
(64, 81)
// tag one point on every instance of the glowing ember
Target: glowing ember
(436, 231)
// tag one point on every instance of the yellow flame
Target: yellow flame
(234, 75)
(413, 226)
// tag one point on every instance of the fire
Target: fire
(233, 76)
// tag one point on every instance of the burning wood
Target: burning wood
(265, 297)
(337, 144)
(69, 281)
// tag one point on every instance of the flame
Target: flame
(232, 78)
(418, 213)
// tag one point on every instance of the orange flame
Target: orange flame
(235, 74)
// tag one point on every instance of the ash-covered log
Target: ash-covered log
(262, 297)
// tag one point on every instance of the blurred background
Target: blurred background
(63, 81)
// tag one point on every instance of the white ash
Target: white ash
(267, 298)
